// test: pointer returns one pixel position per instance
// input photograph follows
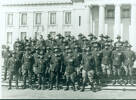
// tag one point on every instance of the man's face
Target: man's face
(118, 39)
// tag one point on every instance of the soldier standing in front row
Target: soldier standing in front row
(70, 70)
(97, 54)
(129, 58)
(26, 67)
(55, 66)
(88, 69)
(6, 56)
(106, 63)
(41, 70)
(117, 58)
(13, 69)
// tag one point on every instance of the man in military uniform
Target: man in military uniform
(13, 69)
(88, 69)
(70, 70)
(101, 41)
(27, 67)
(6, 56)
(77, 62)
(41, 68)
(55, 66)
(106, 63)
(129, 58)
(118, 42)
(97, 54)
(117, 59)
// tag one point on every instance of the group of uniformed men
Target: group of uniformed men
(67, 60)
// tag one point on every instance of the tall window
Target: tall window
(67, 17)
(10, 19)
(79, 20)
(23, 34)
(24, 19)
(125, 13)
(9, 37)
(110, 13)
(38, 18)
(52, 18)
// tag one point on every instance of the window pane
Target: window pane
(10, 19)
(110, 13)
(79, 20)
(125, 13)
(38, 18)
(9, 37)
(52, 18)
(23, 19)
(67, 17)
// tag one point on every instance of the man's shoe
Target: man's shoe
(67, 88)
(82, 90)
(9, 88)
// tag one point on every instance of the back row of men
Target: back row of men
(69, 60)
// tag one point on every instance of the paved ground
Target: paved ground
(61, 94)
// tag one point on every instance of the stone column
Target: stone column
(117, 25)
(132, 33)
(101, 19)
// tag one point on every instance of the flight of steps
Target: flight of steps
(106, 87)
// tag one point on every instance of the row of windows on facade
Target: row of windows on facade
(37, 34)
(110, 13)
(52, 18)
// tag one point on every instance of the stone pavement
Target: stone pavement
(61, 94)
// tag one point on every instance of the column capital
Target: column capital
(101, 5)
(87, 5)
(117, 5)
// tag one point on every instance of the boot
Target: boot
(9, 88)
(39, 87)
(42, 87)
(78, 87)
(67, 88)
(51, 87)
(57, 86)
(74, 89)
(113, 82)
(83, 88)
(9, 85)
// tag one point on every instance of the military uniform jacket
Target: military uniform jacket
(36, 57)
(69, 60)
(54, 64)
(101, 42)
(41, 65)
(106, 56)
(13, 63)
(88, 62)
(129, 57)
(77, 59)
(26, 60)
(6, 56)
(97, 58)
(117, 57)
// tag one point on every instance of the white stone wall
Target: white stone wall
(77, 9)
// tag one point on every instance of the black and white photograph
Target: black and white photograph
(68, 49)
